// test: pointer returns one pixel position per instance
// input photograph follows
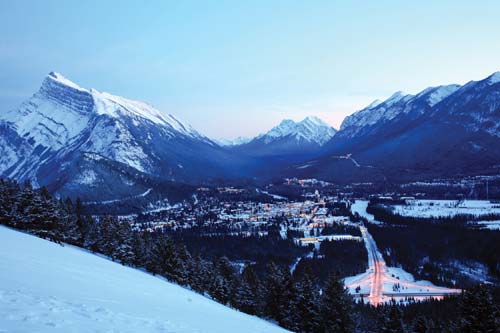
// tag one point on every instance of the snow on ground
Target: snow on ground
(359, 206)
(113, 201)
(491, 225)
(445, 208)
(274, 196)
(45, 287)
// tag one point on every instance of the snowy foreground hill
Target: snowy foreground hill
(45, 287)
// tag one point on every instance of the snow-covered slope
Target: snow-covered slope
(45, 287)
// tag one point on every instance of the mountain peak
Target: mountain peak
(373, 104)
(494, 78)
(59, 78)
(314, 120)
(311, 129)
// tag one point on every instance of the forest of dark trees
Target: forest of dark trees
(299, 302)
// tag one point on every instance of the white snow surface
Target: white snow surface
(310, 129)
(233, 142)
(359, 206)
(440, 93)
(446, 208)
(45, 287)
(494, 78)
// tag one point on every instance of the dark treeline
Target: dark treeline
(253, 248)
(295, 301)
(346, 258)
(341, 229)
(473, 311)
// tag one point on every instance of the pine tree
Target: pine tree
(421, 325)
(274, 290)
(139, 250)
(200, 274)
(289, 316)
(247, 293)
(391, 319)
(336, 306)
(166, 261)
(307, 307)
(123, 252)
(91, 235)
(223, 286)
(67, 228)
(479, 313)
(108, 237)
(220, 289)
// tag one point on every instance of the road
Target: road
(381, 280)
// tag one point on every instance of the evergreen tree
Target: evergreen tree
(223, 285)
(166, 261)
(138, 247)
(307, 305)
(289, 315)
(200, 274)
(247, 293)
(108, 237)
(391, 319)
(220, 289)
(336, 306)
(274, 291)
(123, 252)
(91, 235)
(479, 313)
(421, 325)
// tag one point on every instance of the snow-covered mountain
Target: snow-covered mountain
(233, 142)
(290, 138)
(310, 130)
(46, 287)
(79, 141)
(398, 104)
(441, 131)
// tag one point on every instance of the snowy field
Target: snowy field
(359, 207)
(45, 287)
(447, 208)
(491, 225)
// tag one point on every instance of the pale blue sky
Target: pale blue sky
(234, 68)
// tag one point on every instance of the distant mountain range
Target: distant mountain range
(289, 138)
(442, 131)
(82, 142)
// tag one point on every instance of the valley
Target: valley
(249, 166)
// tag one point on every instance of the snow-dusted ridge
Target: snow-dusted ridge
(112, 105)
(233, 142)
(310, 129)
(400, 103)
